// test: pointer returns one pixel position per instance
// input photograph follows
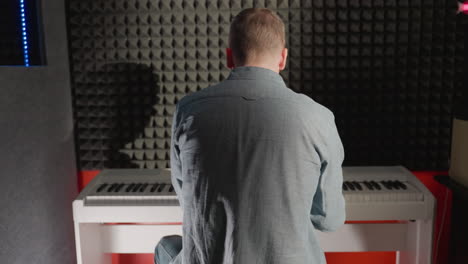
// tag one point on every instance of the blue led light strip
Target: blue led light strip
(24, 34)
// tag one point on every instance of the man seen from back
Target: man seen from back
(256, 166)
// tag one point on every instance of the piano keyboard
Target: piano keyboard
(153, 189)
(366, 191)
(128, 196)
(371, 193)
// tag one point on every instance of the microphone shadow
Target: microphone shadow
(131, 91)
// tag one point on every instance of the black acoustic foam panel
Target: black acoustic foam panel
(388, 69)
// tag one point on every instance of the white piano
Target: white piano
(128, 211)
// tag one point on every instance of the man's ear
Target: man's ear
(284, 56)
(229, 59)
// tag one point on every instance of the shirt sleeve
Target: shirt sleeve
(328, 208)
(176, 166)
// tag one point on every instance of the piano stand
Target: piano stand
(411, 239)
(105, 210)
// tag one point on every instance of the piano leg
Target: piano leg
(89, 246)
(419, 243)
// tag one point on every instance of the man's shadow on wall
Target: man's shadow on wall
(131, 91)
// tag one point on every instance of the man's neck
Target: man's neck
(261, 65)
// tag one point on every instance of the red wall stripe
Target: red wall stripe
(84, 177)
(443, 196)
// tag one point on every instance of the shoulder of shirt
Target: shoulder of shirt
(315, 109)
(195, 96)
(309, 105)
(210, 91)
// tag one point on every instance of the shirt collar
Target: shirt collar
(254, 73)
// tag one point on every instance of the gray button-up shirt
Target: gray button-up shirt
(257, 167)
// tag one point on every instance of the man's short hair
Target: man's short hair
(256, 32)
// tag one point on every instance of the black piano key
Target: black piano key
(171, 188)
(161, 187)
(101, 187)
(384, 183)
(402, 185)
(112, 187)
(143, 187)
(119, 187)
(154, 187)
(376, 185)
(345, 188)
(136, 187)
(369, 185)
(345, 183)
(129, 187)
(395, 185)
(357, 185)
(387, 185)
(351, 186)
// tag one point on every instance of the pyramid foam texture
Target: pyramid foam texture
(387, 68)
